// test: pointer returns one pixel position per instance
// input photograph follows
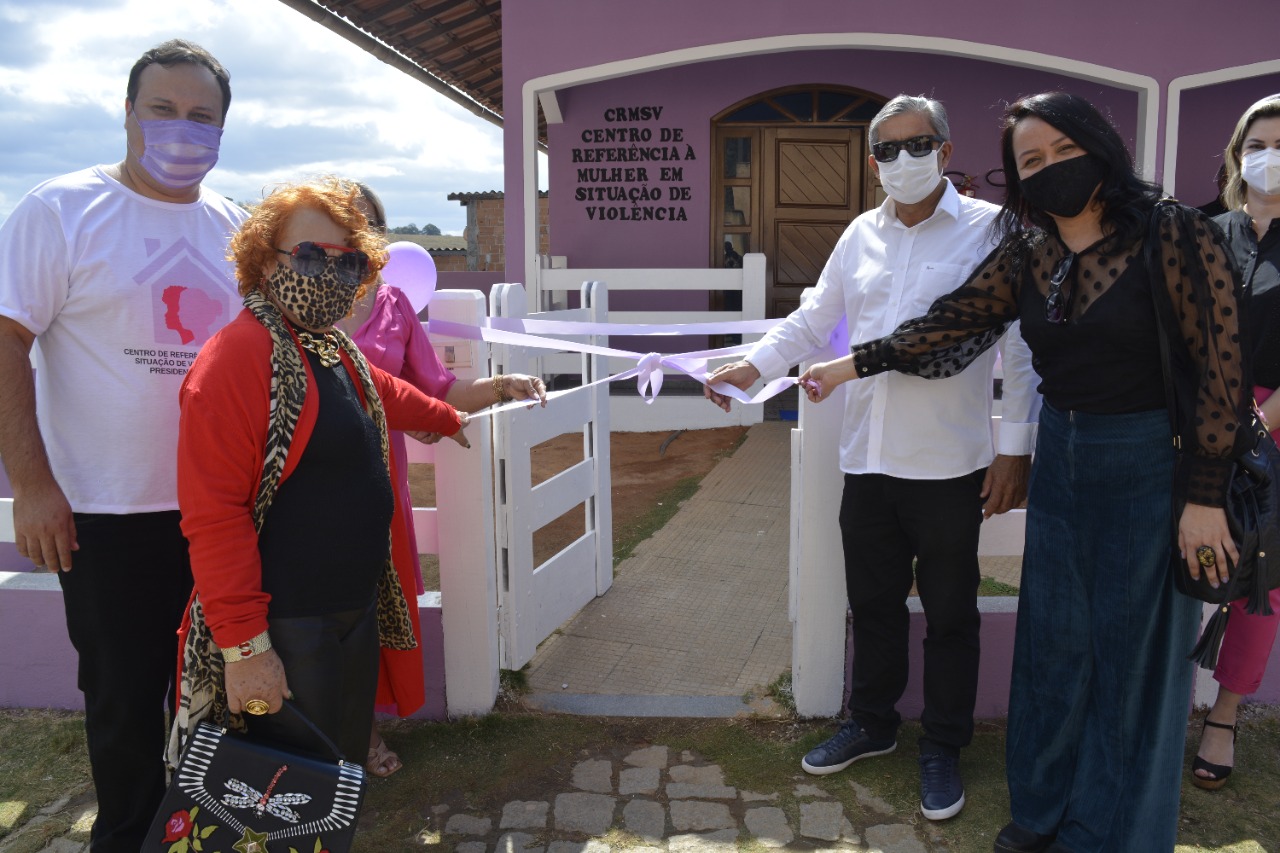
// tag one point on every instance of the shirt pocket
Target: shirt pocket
(932, 281)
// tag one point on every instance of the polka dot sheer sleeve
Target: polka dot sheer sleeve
(958, 328)
(1204, 290)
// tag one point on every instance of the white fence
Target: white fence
(629, 413)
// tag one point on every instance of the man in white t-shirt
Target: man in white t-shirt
(920, 469)
(117, 275)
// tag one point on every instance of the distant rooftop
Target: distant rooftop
(465, 198)
(431, 242)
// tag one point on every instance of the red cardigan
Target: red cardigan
(221, 436)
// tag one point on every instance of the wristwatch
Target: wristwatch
(255, 646)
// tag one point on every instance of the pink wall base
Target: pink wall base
(38, 663)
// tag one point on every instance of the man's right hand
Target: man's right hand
(43, 528)
(258, 677)
(739, 374)
(44, 531)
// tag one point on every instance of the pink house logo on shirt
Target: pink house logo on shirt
(190, 295)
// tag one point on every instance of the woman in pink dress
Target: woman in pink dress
(385, 327)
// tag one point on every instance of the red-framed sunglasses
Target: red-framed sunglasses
(309, 259)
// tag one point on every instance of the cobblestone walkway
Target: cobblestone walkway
(651, 801)
(657, 801)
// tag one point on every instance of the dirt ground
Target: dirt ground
(645, 465)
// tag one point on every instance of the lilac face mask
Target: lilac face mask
(178, 153)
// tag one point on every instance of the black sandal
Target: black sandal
(1220, 771)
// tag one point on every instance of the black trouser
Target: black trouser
(887, 523)
(124, 599)
(331, 665)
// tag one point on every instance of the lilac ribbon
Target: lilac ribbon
(649, 366)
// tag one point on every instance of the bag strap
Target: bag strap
(320, 736)
(1164, 311)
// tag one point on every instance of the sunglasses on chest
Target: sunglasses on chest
(309, 259)
(1058, 301)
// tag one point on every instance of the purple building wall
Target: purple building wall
(974, 93)
(1209, 115)
(1155, 38)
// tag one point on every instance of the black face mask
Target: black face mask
(1064, 188)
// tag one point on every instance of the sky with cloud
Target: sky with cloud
(305, 101)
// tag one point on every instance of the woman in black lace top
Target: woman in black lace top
(1100, 683)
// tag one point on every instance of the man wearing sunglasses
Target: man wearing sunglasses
(920, 468)
(116, 275)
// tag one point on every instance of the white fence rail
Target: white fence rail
(629, 413)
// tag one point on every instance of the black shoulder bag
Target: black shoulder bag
(1253, 492)
(230, 792)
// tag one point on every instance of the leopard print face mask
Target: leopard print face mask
(315, 302)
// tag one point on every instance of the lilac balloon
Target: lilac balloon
(412, 269)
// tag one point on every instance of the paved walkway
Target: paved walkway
(697, 616)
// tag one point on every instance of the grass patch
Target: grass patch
(780, 692)
(630, 533)
(42, 758)
(991, 586)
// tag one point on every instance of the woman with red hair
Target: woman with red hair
(285, 488)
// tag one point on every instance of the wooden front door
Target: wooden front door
(790, 175)
(812, 189)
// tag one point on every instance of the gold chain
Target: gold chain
(325, 346)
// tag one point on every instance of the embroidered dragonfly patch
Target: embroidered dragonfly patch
(277, 805)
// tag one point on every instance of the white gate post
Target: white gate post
(818, 598)
(595, 298)
(464, 510)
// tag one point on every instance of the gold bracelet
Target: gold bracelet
(499, 393)
(254, 646)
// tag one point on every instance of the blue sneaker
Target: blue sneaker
(941, 791)
(847, 746)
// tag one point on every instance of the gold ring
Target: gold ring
(1206, 556)
(257, 707)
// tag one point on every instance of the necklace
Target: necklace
(325, 346)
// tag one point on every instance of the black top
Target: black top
(1106, 358)
(1259, 265)
(325, 542)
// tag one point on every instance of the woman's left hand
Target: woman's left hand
(1207, 526)
(521, 386)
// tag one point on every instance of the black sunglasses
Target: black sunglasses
(917, 146)
(1055, 304)
(309, 259)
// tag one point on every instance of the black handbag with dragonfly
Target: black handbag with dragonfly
(1253, 494)
(230, 794)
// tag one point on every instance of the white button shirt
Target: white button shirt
(880, 274)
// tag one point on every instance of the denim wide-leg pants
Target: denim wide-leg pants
(1101, 682)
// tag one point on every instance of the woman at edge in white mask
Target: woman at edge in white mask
(1252, 226)
(1101, 680)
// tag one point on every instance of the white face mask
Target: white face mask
(908, 179)
(1261, 170)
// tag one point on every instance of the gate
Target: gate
(534, 600)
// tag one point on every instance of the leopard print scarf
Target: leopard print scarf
(204, 694)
